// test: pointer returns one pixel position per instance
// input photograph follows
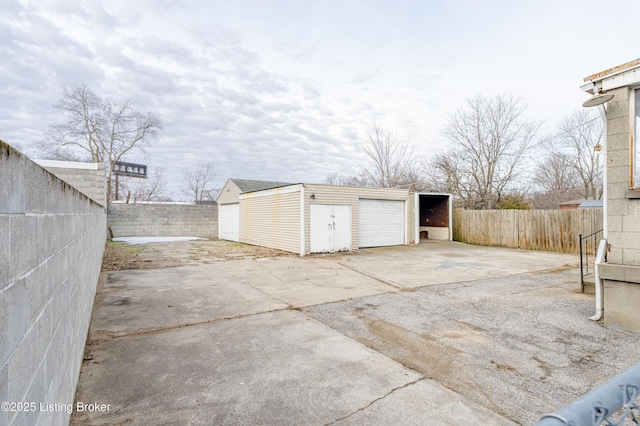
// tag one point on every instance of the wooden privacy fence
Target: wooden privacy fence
(547, 230)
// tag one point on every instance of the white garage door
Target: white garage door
(381, 223)
(229, 220)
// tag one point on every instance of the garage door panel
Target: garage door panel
(381, 223)
(229, 222)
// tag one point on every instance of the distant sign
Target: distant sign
(130, 169)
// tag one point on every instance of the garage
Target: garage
(318, 218)
(229, 204)
(229, 220)
(381, 223)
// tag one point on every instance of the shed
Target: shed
(571, 204)
(318, 218)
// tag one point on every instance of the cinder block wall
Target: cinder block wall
(88, 178)
(623, 218)
(52, 240)
(162, 220)
(621, 273)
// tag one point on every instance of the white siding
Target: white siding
(331, 194)
(271, 218)
(230, 193)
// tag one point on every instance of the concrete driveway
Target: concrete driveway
(441, 333)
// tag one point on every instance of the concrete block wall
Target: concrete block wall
(621, 273)
(88, 178)
(52, 241)
(162, 220)
(623, 212)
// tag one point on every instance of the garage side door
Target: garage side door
(329, 228)
(381, 223)
(229, 222)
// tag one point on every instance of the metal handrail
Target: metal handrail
(612, 403)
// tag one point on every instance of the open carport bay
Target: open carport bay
(288, 340)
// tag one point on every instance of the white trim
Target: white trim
(417, 213)
(631, 93)
(406, 220)
(450, 218)
(302, 224)
(273, 191)
(615, 80)
(66, 164)
(416, 218)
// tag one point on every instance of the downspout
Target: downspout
(601, 257)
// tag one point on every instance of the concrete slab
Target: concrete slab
(279, 368)
(314, 280)
(129, 302)
(441, 262)
(245, 341)
(424, 403)
(147, 300)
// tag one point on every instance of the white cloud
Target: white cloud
(283, 90)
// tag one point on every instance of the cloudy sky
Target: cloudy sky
(283, 90)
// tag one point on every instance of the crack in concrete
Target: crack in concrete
(270, 271)
(155, 330)
(369, 275)
(377, 399)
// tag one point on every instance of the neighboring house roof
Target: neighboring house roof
(246, 185)
(591, 204)
(576, 202)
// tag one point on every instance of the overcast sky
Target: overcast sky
(283, 90)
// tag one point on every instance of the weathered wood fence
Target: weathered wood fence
(547, 230)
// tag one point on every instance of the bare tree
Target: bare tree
(555, 181)
(489, 138)
(198, 183)
(99, 130)
(444, 174)
(145, 190)
(392, 163)
(577, 147)
(336, 179)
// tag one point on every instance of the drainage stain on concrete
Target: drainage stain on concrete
(117, 301)
(421, 352)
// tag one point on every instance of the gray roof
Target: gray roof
(591, 204)
(246, 185)
(576, 202)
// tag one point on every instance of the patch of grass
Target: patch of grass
(124, 247)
